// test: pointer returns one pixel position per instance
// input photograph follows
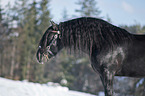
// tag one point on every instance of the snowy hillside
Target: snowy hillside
(23, 88)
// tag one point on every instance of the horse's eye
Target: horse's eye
(48, 47)
(55, 36)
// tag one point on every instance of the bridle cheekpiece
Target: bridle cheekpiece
(53, 41)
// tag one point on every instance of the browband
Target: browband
(58, 32)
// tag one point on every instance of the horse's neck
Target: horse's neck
(77, 40)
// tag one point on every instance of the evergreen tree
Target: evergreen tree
(1, 13)
(31, 29)
(26, 16)
(88, 8)
(64, 14)
(20, 11)
(136, 28)
(23, 12)
(44, 19)
(31, 19)
(43, 24)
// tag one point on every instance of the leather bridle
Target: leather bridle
(55, 37)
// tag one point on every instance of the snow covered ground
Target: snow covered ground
(23, 88)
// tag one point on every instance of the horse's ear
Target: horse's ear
(54, 25)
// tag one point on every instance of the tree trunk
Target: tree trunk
(12, 61)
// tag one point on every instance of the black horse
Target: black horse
(112, 50)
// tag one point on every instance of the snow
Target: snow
(140, 82)
(24, 88)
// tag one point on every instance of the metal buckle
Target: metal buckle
(48, 47)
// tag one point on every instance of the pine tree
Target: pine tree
(26, 16)
(22, 16)
(64, 14)
(1, 13)
(88, 8)
(21, 63)
(45, 17)
(43, 24)
(32, 19)
(20, 11)
(31, 41)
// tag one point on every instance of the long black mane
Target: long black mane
(86, 32)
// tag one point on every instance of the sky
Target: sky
(121, 12)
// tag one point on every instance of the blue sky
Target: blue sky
(126, 12)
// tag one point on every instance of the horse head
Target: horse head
(50, 43)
